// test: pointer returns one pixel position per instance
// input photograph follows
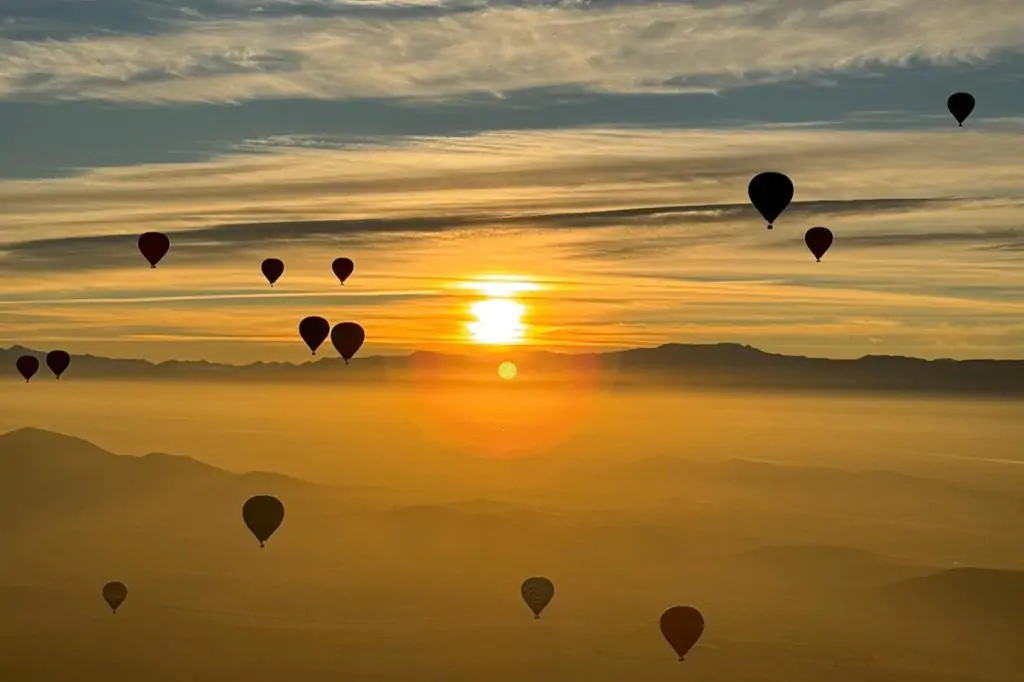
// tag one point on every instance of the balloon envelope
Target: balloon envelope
(154, 246)
(114, 594)
(682, 626)
(770, 193)
(272, 269)
(314, 331)
(537, 593)
(27, 366)
(960, 104)
(263, 515)
(347, 338)
(342, 267)
(58, 361)
(818, 239)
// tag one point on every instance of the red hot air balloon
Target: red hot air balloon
(314, 331)
(58, 361)
(818, 239)
(27, 366)
(154, 246)
(682, 626)
(347, 338)
(342, 267)
(770, 193)
(272, 269)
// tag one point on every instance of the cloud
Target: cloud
(642, 48)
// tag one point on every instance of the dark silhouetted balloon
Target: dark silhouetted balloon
(27, 365)
(58, 361)
(114, 594)
(342, 267)
(818, 239)
(314, 331)
(272, 269)
(960, 104)
(537, 593)
(154, 246)
(347, 338)
(770, 193)
(263, 514)
(682, 626)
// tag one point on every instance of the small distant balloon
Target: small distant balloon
(537, 593)
(960, 104)
(818, 239)
(58, 361)
(770, 193)
(154, 246)
(314, 331)
(342, 267)
(27, 366)
(263, 515)
(682, 626)
(272, 269)
(347, 338)
(114, 594)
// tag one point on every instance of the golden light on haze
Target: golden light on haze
(507, 370)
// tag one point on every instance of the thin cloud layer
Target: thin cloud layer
(601, 47)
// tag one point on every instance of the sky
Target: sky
(596, 154)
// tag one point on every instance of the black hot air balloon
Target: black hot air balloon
(314, 331)
(818, 239)
(960, 104)
(537, 593)
(272, 269)
(27, 365)
(114, 594)
(58, 361)
(770, 193)
(347, 338)
(342, 267)
(154, 246)
(262, 515)
(682, 626)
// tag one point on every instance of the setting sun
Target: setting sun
(498, 321)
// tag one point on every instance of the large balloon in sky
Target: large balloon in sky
(342, 267)
(154, 246)
(960, 104)
(818, 239)
(58, 361)
(272, 269)
(537, 593)
(314, 331)
(263, 514)
(347, 338)
(770, 193)
(114, 594)
(682, 626)
(27, 365)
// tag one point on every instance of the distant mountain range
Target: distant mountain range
(680, 365)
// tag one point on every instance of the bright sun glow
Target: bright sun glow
(498, 321)
(507, 370)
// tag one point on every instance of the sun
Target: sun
(498, 321)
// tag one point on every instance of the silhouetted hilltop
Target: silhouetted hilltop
(684, 365)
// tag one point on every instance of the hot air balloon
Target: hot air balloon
(58, 361)
(272, 269)
(347, 338)
(818, 239)
(342, 267)
(262, 515)
(27, 365)
(154, 246)
(537, 593)
(114, 594)
(960, 104)
(770, 193)
(682, 626)
(314, 331)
